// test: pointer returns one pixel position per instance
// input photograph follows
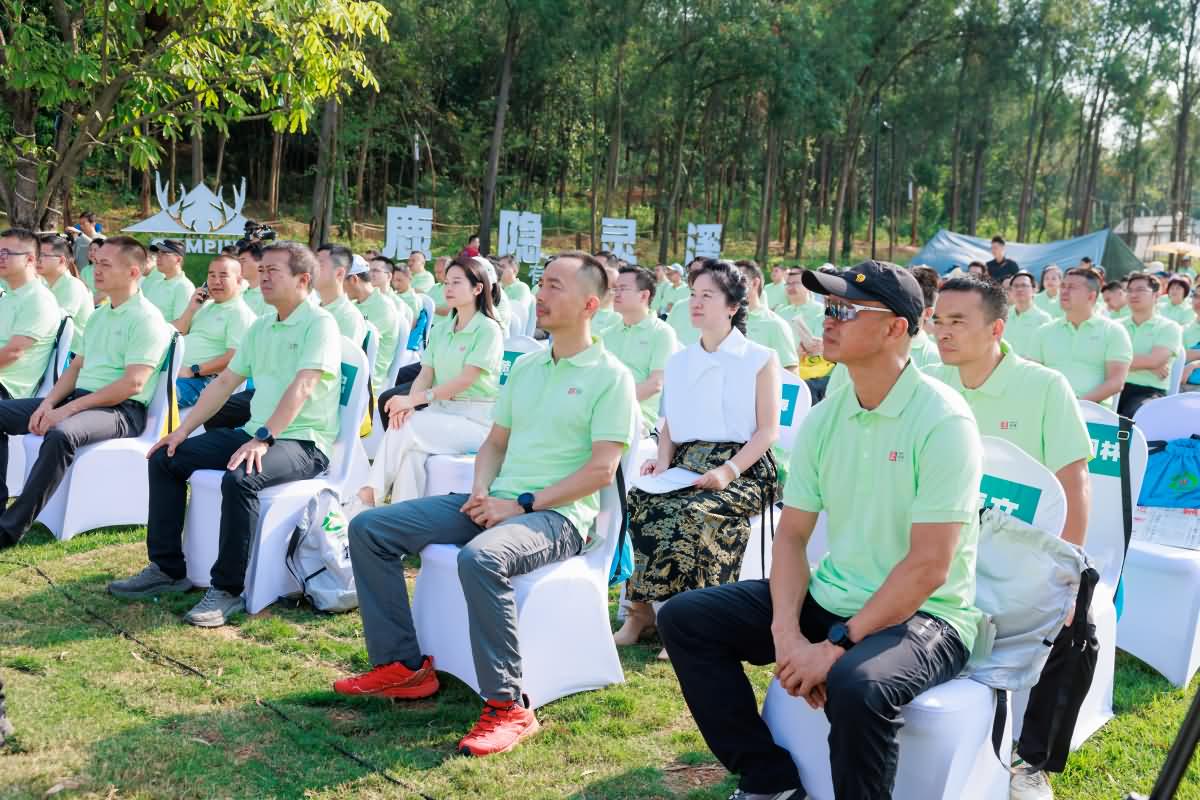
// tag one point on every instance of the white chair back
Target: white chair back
(430, 307)
(159, 406)
(1167, 418)
(1177, 372)
(59, 358)
(1018, 485)
(608, 523)
(518, 319)
(794, 406)
(1105, 544)
(352, 402)
(514, 347)
(370, 344)
(531, 322)
(399, 359)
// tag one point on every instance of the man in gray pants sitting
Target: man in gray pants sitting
(563, 419)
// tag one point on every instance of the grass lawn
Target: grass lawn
(99, 716)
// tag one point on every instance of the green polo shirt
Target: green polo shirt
(169, 295)
(680, 320)
(554, 411)
(919, 458)
(676, 295)
(643, 348)
(75, 299)
(776, 295)
(134, 333)
(273, 352)
(660, 290)
(382, 313)
(1027, 404)
(33, 312)
(811, 313)
(254, 300)
(604, 321)
(503, 310)
(422, 281)
(924, 352)
(216, 328)
(1191, 335)
(479, 344)
(88, 276)
(349, 319)
(1082, 354)
(767, 328)
(411, 300)
(518, 292)
(1158, 331)
(1050, 305)
(1180, 314)
(1120, 314)
(437, 292)
(1020, 329)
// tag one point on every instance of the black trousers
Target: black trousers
(710, 632)
(1037, 744)
(1134, 396)
(234, 414)
(286, 460)
(404, 382)
(56, 454)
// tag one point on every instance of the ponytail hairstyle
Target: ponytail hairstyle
(477, 276)
(732, 283)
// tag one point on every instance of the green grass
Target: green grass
(98, 716)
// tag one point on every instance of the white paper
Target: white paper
(1174, 527)
(672, 480)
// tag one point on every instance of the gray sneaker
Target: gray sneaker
(215, 609)
(149, 582)
(786, 794)
(6, 729)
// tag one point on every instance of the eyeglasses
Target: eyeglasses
(6, 253)
(848, 312)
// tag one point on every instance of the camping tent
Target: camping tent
(947, 250)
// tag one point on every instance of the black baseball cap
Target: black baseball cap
(884, 282)
(167, 245)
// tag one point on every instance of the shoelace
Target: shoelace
(489, 720)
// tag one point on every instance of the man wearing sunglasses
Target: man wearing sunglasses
(894, 459)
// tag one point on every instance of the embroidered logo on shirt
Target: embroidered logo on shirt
(573, 391)
(1008, 424)
(896, 455)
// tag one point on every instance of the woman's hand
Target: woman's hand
(653, 467)
(716, 479)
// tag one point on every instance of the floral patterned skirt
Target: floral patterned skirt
(695, 538)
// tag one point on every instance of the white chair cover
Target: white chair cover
(401, 358)
(1020, 486)
(18, 467)
(267, 577)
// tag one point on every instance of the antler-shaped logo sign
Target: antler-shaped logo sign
(199, 211)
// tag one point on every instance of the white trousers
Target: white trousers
(445, 428)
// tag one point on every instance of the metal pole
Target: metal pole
(416, 168)
(875, 181)
(1178, 758)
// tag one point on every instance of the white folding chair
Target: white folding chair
(531, 322)
(107, 483)
(514, 347)
(1176, 376)
(401, 358)
(360, 464)
(1105, 547)
(1160, 620)
(562, 612)
(267, 577)
(1017, 484)
(518, 321)
(794, 406)
(430, 307)
(60, 356)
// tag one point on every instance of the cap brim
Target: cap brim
(824, 283)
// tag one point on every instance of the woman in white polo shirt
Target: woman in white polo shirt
(459, 381)
(720, 415)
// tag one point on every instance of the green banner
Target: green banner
(1015, 499)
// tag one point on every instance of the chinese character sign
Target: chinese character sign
(703, 241)
(1015, 499)
(1106, 450)
(521, 236)
(408, 229)
(619, 237)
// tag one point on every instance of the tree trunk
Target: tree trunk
(849, 158)
(171, 169)
(614, 135)
(956, 145)
(1027, 172)
(222, 138)
(320, 226)
(802, 211)
(594, 191)
(273, 181)
(197, 146)
(493, 165)
(823, 182)
(668, 212)
(361, 170)
(916, 214)
(762, 245)
(981, 144)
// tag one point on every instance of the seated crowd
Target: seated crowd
(925, 366)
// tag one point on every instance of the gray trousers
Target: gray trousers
(380, 539)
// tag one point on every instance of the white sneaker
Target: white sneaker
(1031, 786)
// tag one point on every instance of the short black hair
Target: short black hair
(731, 280)
(301, 260)
(1093, 278)
(56, 243)
(591, 269)
(253, 248)
(339, 255)
(991, 294)
(384, 259)
(928, 279)
(1150, 279)
(1181, 280)
(22, 235)
(1112, 286)
(998, 239)
(643, 277)
(751, 268)
(1026, 274)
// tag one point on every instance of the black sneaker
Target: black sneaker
(149, 582)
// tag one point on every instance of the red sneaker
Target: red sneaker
(392, 680)
(501, 727)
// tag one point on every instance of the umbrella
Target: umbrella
(1177, 248)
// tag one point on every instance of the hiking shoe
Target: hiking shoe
(6, 729)
(149, 582)
(215, 609)
(392, 680)
(500, 728)
(1030, 786)
(786, 794)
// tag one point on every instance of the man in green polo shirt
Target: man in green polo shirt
(171, 293)
(103, 392)
(29, 317)
(422, 279)
(1156, 340)
(680, 315)
(250, 257)
(642, 342)
(764, 326)
(1092, 352)
(1034, 408)
(675, 290)
(517, 290)
(1025, 319)
(212, 325)
(894, 460)
(607, 316)
(402, 287)
(334, 263)
(381, 313)
(294, 357)
(563, 419)
(775, 292)
(438, 292)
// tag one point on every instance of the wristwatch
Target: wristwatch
(264, 436)
(195, 370)
(525, 501)
(429, 398)
(839, 634)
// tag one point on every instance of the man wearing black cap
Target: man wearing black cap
(894, 459)
(1000, 267)
(171, 294)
